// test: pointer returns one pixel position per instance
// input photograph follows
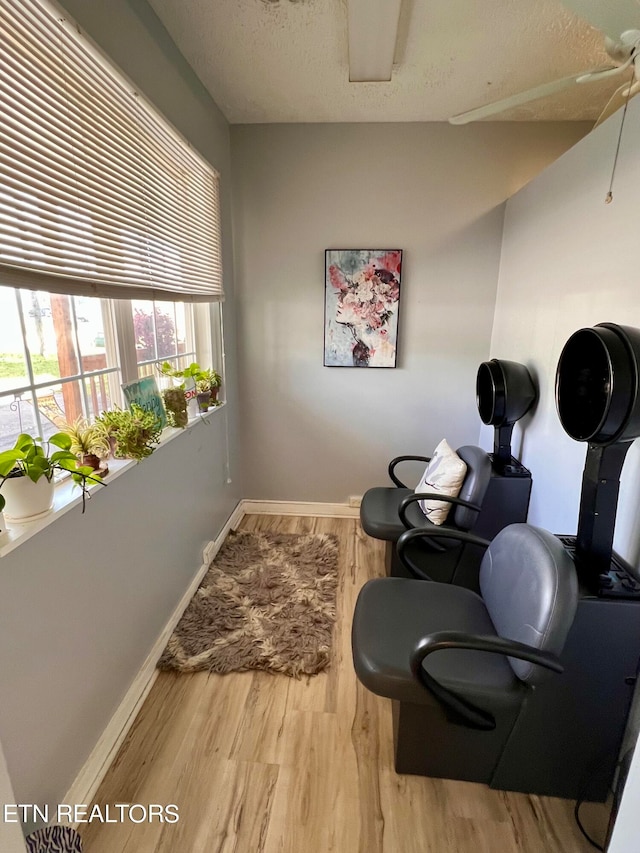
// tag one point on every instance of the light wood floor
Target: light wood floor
(261, 763)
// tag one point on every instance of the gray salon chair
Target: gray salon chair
(387, 511)
(459, 666)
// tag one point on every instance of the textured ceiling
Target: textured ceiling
(287, 60)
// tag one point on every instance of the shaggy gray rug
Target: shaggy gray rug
(268, 601)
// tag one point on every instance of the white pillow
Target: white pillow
(445, 473)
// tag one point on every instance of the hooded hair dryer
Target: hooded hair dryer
(504, 393)
(597, 397)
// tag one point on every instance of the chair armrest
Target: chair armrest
(457, 708)
(442, 640)
(425, 535)
(430, 496)
(397, 460)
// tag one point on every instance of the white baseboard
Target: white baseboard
(212, 548)
(84, 788)
(326, 510)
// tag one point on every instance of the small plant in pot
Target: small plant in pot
(133, 431)
(210, 381)
(27, 471)
(90, 443)
(175, 403)
(203, 395)
(207, 384)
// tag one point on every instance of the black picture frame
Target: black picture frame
(361, 307)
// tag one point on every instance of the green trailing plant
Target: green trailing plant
(33, 458)
(205, 379)
(167, 369)
(135, 431)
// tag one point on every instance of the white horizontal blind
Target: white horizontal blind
(98, 195)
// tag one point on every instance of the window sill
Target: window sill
(68, 495)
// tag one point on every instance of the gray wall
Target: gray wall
(568, 261)
(321, 434)
(82, 603)
(11, 838)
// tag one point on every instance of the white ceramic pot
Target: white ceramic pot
(27, 500)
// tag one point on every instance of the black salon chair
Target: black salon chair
(459, 666)
(386, 512)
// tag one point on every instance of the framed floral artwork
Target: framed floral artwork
(361, 300)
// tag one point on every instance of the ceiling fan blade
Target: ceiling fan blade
(602, 73)
(613, 17)
(517, 100)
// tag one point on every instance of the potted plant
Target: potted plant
(203, 395)
(207, 381)
(90, 443)
(175, 402)
(27, 471)
(134, 431)
(172, 400)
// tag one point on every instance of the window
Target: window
(110, 247)
(162, 333)
(60, 355)
(54, 362)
